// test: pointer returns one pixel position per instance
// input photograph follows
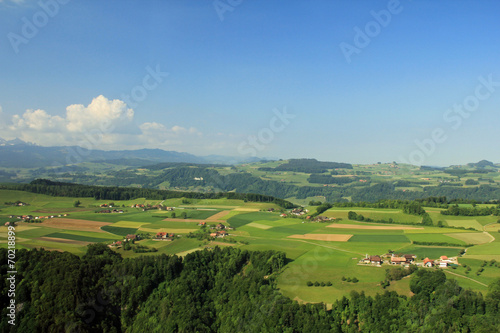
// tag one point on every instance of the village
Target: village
(408, 259)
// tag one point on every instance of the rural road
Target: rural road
(466, 277)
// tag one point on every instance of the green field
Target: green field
(440, 238)
(309, 259)
(242, 219)
(379, 238)
(81, 238)
(430, 251)
(464, 223)
(118, 230)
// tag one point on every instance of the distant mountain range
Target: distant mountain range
(19, 154)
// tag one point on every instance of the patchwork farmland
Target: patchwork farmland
(331, 249)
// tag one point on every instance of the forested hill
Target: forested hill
(297, 180)
(221, 290)
(48, 187)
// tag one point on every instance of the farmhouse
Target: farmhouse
(202, 223)
(220, 226)
(375, 260)
(410, 258)
(428, 262)
(398, 260)
(164, 236)
(131, 237)
(298, 211)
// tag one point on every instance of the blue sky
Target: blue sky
(234, 65)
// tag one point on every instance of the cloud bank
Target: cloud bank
(103, 124)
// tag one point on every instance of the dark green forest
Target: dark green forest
(308, 165)
(219, 290)
(48, 187)
(240, 183)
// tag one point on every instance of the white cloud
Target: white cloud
(37, 120)
(103, 124)
(80, 118)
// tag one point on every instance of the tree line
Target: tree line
(308, 165)
(455, 210)
(48, 187)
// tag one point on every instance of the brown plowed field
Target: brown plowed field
(73, 224)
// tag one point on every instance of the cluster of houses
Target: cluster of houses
(408, 259)
(296, 211)
(165, 236)
(24, 218)
(219, 226)
(219, 234)
(320, 218)
(108, 211)
(128, 238)
(149, 206)
(220, 230)
(442, 262)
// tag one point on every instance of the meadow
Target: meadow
(322, 252)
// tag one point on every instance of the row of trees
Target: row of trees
(474, 211)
